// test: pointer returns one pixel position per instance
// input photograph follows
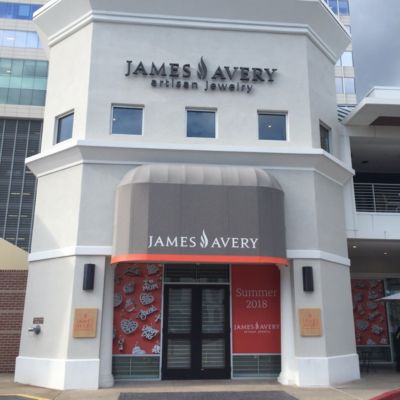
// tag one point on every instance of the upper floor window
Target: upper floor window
(346, 60)
(200, 124)
(339, 7)
(18, 10)
(345, 85)
(127, 120)
(271, 126)
(17, 38)
(325, 133)
(23, 81)
(65, 124)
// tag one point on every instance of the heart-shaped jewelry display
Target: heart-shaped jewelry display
(128, 326)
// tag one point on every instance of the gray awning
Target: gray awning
(199, 213)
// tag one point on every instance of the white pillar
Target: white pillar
(289, 369)
(106, 378)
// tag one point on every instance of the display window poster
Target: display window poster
(137, 309)
(370, 317)
(256, 309)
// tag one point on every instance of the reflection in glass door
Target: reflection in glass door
(196, 332)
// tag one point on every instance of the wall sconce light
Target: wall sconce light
(308, 279)
(88, 277)
(35, 329)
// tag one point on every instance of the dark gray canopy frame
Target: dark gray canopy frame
(199, 213)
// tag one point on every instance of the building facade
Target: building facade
(23, 74)
(190, 216)
(373, 219)
(344, 69)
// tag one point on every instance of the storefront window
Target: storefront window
(127, 120)
(392, 287)
(271, 126)
(201, 124)
(371, 320)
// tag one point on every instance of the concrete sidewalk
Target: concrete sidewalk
(370, 385)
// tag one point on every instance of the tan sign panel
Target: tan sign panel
(85, 322)
(310, 321)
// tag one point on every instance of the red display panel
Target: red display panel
(256, 312)
(137, 309)
(369, 315)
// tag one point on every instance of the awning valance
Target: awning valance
(200, 214)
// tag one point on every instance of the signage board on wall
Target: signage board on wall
(310, 321)
(219, 78)
(85, 323)
(256, 309)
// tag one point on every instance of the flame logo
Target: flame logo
(203, 240)
(202, 70)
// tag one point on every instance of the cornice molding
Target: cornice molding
(75, 153)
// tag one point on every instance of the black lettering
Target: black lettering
(154, 83)
(174, 70)
(218, 74)
(195, 85)
(244, 74)
(158, 72)
(186, 85)
(231, 87)
(230, 74)
(270, 73)
(257, 74)
(213, 86)
(140, 69)
(129, 63)
(186, 71)
(222, 86)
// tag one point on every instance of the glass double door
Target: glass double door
(196, 338)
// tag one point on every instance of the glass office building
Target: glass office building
(23, 81)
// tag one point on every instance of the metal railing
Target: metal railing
(377, 197)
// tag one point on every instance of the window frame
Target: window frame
(59, 118)
(328, 129)
(280, 113)
(130, 106)
(202, 110)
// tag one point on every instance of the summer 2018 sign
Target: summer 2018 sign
(256, 309)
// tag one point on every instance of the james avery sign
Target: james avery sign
(219, 242)
(220, 78)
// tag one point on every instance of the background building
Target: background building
(344, 69)
(23, 80)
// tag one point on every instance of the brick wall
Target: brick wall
(12, 297)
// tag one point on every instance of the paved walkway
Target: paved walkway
(368, 386)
